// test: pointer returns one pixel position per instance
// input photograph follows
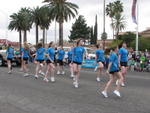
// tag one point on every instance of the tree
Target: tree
(92, 36)
(16, 24)
(95, 31)
(44, 21)
(26, 21)
(36, 19)
(114, 11)
(80, 29)
(61, 11)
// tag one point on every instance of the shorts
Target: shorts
(125, 64)
(112, 72)
(69, 61)
(40, 61)
(48, 61)
(10, 59)
(25, 58)
(78, 63)
(60, 62)
(101, 62)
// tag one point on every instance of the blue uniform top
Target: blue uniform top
(51, 53)
(40, 54)
(61, 54)
(25, 53)
(78, 54)
(114, 59)
(123, 54)
(70, 55)
(10, 53)
(100, 55)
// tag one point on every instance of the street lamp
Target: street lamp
(104, 34)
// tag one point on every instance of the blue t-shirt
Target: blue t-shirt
(40, 54)
(10, 53)
(51, 53)
(100, 55)
(25, 53)
(70, 55)
(114, 59)
(61, 54)
(78, 54)
(123, 54)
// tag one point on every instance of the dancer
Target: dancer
(78, 55)
(9, 56)
(70, 62)
(113, 71)
(100, 58)
(40, 56)
(61, 54)
(123, 60)
(50, 62)
(25, 57)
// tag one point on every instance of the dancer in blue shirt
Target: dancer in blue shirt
(70, 56)
(78, 54)
(25, 58)
(113, 71)
(100, 58)
(123, 61)
(60, 58)
(50, 53)
(9, 56)
(40, 57)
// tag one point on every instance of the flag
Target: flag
(134, 11)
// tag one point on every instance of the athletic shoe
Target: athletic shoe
(117, 93)
(72, 76)
(46, 79)
(36, 76)
(76, 85)
(122, 84)
(26, 75)
(104, 93)
(58, 72)
(63, 73)
(98, 79)
(95, 68)
(117, 82)
(52, 79)
(9, 72)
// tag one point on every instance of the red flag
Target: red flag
(134, 11)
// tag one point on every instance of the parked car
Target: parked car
(16, 61)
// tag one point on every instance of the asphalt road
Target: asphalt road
(28, 95)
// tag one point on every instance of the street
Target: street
(20, 94)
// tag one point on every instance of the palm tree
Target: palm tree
(16, 24)
(44, 21)
(119, 23)
(36, 19)
(113, 9)
(26, 21)
(61, 11)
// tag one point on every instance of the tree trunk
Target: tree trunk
(43, 38)
(37, 34)
(61, 33)
(20, 41)
(25, 36)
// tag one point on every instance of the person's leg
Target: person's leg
(37, 69)
(78, 72)
(9, 66)
(25, 67)
(123, 71)
(109, 83)
(58, 67)
(100, 68)
(52, 67)
(21, 69)
(62, 67)
(71, 70)
(47, 72)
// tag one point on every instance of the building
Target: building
(145, 33)
(5, 42)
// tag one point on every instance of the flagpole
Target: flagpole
(137, 29)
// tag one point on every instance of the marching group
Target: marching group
(117, 67)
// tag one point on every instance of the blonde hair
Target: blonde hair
(26, 45)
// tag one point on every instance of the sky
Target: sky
(87, 8)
